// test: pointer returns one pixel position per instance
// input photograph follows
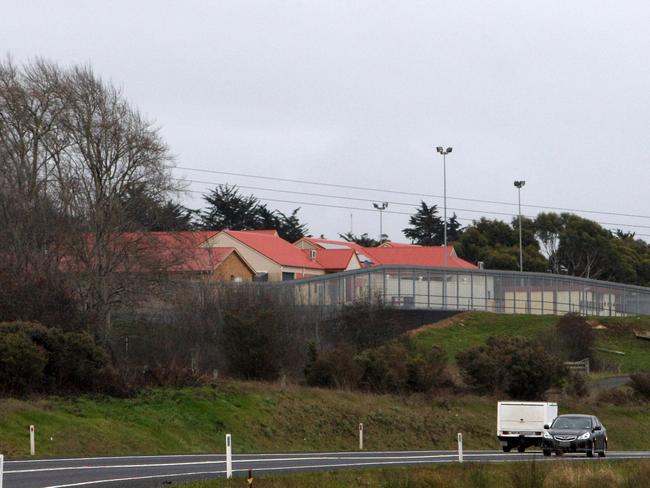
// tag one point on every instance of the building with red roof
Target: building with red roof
(390, 253)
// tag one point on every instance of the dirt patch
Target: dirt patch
(457, 319)
(596, 324)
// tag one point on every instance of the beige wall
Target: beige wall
(259, 262)
(233, 269)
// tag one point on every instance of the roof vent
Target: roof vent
(480, 264)
(312, 254)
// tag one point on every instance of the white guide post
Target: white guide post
(228, 456)
(32, 441)
(2, 463)
(361, 437)
(460, 447)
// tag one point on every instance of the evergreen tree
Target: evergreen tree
(228, 209)
(363, 239)
(427, 227)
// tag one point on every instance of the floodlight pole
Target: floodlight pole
(444, 153)
(519, 184)
(381, 207)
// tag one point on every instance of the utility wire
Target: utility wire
(383, 190)
(346, 207)
(482, 211)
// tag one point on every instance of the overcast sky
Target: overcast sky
(359, 93)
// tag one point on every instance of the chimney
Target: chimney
(312, 254)
(480, 264)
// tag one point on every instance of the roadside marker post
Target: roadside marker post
(32, 441)
(228, 456)
(2, 465)
(460, 447)
(249, 480)
(361, 437)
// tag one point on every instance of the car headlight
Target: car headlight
(547, 435)
(586, 435)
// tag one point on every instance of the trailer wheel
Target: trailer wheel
(506, 448)
(521, 448)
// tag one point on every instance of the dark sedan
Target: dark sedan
(575, 433)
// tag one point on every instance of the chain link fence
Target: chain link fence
(482, 290)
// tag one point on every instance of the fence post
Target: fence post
(361, 437)
(32, 441)
(460, 447)
(228, 456)
(2, 462)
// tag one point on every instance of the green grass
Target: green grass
(475, 327)
(598, 474)
(265, 417)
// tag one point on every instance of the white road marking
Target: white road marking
(275, 468)
(361, 457)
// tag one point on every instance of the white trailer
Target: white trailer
(521, 424)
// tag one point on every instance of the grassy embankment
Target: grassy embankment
(264, 417)
(622, 474)
(472, 329)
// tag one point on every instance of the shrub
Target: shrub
(21, 363)
(336, 368)
(575, 337)
(54, 360)
(518, 367)
(395, 367)
(641, 384)
(251, 345)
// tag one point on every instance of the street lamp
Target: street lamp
(519, 184)
(381, 207)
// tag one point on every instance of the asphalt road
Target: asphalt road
(159, 471)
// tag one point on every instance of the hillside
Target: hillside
(470, 329)
(265, 417)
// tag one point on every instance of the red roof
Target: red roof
(333, 259)
(416, 256)
(275, 248)
(394, 253)
(325, 243)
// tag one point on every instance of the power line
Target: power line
(346, 207)
(397, 192)
(341, 197)
(324, 195)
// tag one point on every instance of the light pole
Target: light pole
(444, 153)
(381, 207)
(519, 184)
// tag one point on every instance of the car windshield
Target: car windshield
(572, 423)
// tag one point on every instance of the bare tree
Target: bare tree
(71, 150)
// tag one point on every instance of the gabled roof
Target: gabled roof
(273, 247)
(394, 253)
(417, 256)
(330, 244)
(333, 259)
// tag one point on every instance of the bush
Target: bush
(35, 358)
(575, 337)
(336, 368)
(518, 367)
(397, 366)
(21, 363)
(251, 345)
(641, 384)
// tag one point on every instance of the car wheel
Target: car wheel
(604, 451)
(506, 448)
(521, 448)
(590, 452)
(546, 452)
